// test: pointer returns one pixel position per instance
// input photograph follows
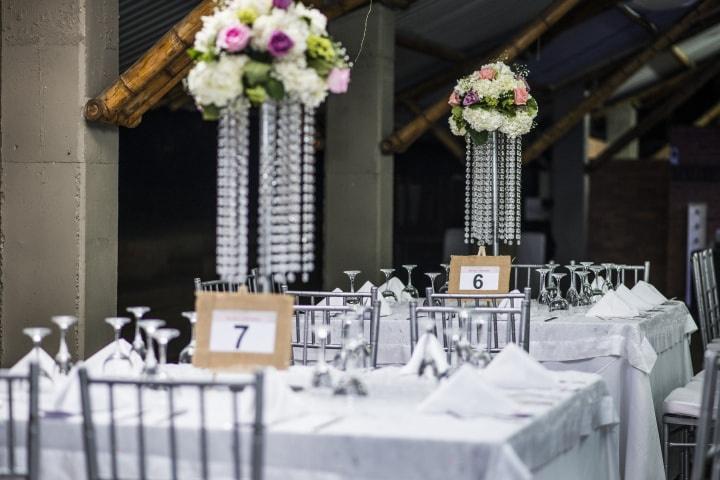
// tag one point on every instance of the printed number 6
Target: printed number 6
(477, 281)
(243, 329)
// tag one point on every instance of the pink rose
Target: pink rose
(338, 80)
(233, 38)
(454, 99)
(521, 96)
(486, 73)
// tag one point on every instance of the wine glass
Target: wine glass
(558, 302)
(551, 269)
(387, 293)
(187, 353)
(351, 275)
(410, 291)
(321, 373)
(138, 345)
(63, 359)
(608, 276)
(585, 296)
(445, 286)
(432, 276)
(117, 360)
(597, 287)
(619, 280)
(163, 336)
(37, 334)
(150, 326)
(572, 294)
(544, 295)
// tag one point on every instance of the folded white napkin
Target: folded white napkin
(648, 293)
(22, 367)
(333, 301)
(427, 348)
(395, 285)
(514, 368)
(384, 306)
(467, 394)
(611, 305)
(631, 299)
(95, 362)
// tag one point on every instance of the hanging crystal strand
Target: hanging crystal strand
(268, 121)
(280, 227)
(225, 220)
(242, 174)
(477, 187)
(487, 191)
(294, 189)
(468, 188)
(308, 195)
(501, 221)
(508, 211)
(518, 185)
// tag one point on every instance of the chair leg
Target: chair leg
(685, 455)
(666, 450)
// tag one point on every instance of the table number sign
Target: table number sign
(242, 331)
(479, 274)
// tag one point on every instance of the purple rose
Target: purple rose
(284, 4)
(279, 44)
(470, 98)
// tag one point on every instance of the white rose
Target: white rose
(318, 21)
(261, 7)
(217, 83)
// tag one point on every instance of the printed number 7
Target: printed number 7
(243, 329)
(477, 281)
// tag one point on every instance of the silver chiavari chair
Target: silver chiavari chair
(317, 306)
(710, 292)
(638, 272)
(521, 276)
(707, 332)
(708, 424)
(513, 300)
(171, 389)
(30, 468)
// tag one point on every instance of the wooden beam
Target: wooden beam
(658, 114)
(561, 127)
(443, 135)
(653, 92)
(428, 47)
(402, 138)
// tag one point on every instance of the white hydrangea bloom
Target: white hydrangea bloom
(483, 120)
(518, 125)
(217, 83)
(455, 129)
(212, 24)
(301, 83)
(261, 7)
(286, 21)
(318, 21)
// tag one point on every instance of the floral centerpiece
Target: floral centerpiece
(491, 99)
(260, 49)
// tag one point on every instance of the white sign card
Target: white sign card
(479, 278)
(479, 274)
(248, 331)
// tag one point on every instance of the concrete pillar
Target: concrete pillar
(570, 183)
(58, 219)
(358, 177)
(619, 120)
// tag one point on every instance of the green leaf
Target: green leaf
(210, 112)
(256, 72)
(478, 138)
(275, 88)
(194, 54)
(321, 66)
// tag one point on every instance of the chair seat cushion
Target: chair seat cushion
(684, 401)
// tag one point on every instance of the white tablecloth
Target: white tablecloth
(571, 433)
(642, 360)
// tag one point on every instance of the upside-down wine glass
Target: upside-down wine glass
(117, 359)
(585, 293)
(351, 275)
(150, 326)
(551, 269)
(321, 373)
(163, 336)
(63, 359)
(37, 334)
(410, 290)
(608, 277)
(572, 294)
(445, 286)
(558, 302)
(387, 293)
(619, 280)
(544, 295)
(138, 345)
(432, 276)
(187, 353)
(597, 287)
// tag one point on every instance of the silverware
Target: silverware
(550, 318)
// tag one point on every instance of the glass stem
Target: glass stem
(163, 353)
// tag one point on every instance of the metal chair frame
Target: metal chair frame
(707, 426)
(447, 314)
(710, 292)
(170, 387)
(32, 464)
(637, 270)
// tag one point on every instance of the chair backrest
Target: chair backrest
(136, 390)
(710, 292)
(253, 282)
(516, 317)
(707, 436)
(706, 330)
(637, 272)
(303, 297)
(30, 383)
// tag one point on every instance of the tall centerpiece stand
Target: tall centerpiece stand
(492, 108)
(275, 56)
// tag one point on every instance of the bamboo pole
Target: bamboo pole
(561, 127)
(657, 114)
(399, 140)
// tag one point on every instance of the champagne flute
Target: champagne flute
(63, 359)
(138, 345)
(187, 353)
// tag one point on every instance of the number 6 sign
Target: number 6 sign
(242, 331)
(479, 274)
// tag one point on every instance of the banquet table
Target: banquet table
(565, 433)
(641, 359)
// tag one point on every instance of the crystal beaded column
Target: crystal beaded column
(232, 194)
(294, 189)
(307, 247)
(268, 121)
